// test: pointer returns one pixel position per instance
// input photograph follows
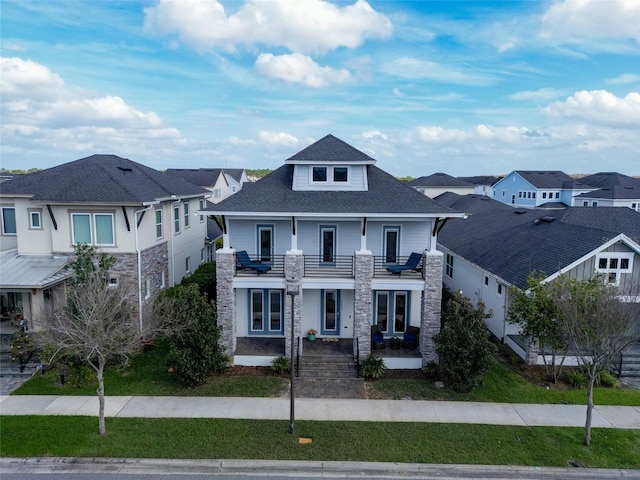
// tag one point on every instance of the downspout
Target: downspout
(139, 255)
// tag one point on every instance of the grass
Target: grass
(502, 384)
(333, 441)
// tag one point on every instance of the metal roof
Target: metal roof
(31, 271)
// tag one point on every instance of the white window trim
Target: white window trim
(185, 209)
(93, 229)
(38, 213)
(608, 256)
(202, 205)
(176, 219)
(3, 222)
(160, 224)
(330, 172)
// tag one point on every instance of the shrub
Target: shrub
(373, 366)
(576, 378)
(606, 379)
(432, 370)
(280, 364)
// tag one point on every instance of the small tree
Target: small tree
(463, 344)
(598, 326)
(537, 314)
(193, 335)
(96, 323)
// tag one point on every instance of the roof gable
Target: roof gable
(330, 150)
(204, 177)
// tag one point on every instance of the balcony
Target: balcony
(338, 266)
(276, 262)
(380, 265)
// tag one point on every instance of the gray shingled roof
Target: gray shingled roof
(548, 179)
(609, 179)
(330, 149)
(617, 192)
(511, 242)
(235, 173)
(481, 179)
(205, 177)
(100, 178)
(273, 194)
(439, 180)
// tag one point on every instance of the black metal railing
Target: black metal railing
(357, 357)
(298, 359)
(329, 266)
(276, 262)
(380, 264)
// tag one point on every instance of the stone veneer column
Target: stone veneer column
(431, 304)
(226, 298)
(362, 302)
(293, 270)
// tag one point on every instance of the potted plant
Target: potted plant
(311, 335)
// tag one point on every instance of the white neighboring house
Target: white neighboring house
(236, 178)
(483, 183)
(144, 218)
(613, 190)
(439, 183)
(497, 247)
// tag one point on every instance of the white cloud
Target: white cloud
(309, 26)
(416, 69)
(40, 113)
(542, 94)
(277, 139)
(297, 68)
(576, 19)
(624, 79)
(601, 108)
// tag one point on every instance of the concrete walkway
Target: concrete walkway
(324, 409)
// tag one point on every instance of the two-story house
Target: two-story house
(538, 188)
(332, 223)
(498, 246)
(613, 190)
(144, 218)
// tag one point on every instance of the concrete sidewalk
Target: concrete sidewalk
(533, 415)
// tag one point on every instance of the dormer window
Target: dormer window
(319, 174)
(340, 174)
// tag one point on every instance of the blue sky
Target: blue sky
(466, 88)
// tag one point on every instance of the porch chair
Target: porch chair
(411, 338)
(411, 264)
(377, 339)
(245, 262)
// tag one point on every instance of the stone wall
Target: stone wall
(153, 262)
(226, 298)
(362, 304)
(293, 270)
(431, 304)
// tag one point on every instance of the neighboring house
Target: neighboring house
(498, 246)
(614, 190)
(534, 188)
(213, 179)
(236, 178)
(439, 183)
(483, 183)
(144, 218)
(331, 220)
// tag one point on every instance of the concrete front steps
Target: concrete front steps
(327, 372)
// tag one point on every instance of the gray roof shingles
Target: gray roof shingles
(439, 180)
(100, 178)
(330, 149)
(205, 177)
(511, 243)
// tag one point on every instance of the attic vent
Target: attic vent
(125, 169)
(547, 219)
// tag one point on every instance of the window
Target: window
(265, 242)
(233, 189)
(203, 253)
(330, 314)
(557, 194)
(585, 204)
(519, 194)
(187, 264)
(201, 208)
(594, 204)
(340, 174)
(391, 244)
(92, 229)
(327, 244)
(35, 220)
(612, 265)
(533, 195)
(266, 312)
(176, 219)
(147, 288)
(391, 309)
(486, 280)
(159, 224)
(113, 281)
(449, 266)
(634, 206)
(186, 214)
(8, 221)
(504, 192)
(499, 289)
(319, 174)
(217, 192)
(528, 194)
(544, 194)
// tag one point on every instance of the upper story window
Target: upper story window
(186, 214)
(449, 266)
(92, 229)
(159, 229)
(201, 208)
(329, 174)
(613, 264)
(340, 174)
(176, 219)
(319, 174)
(35, 220)
(9, 221)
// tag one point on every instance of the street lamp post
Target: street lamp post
(293, 289)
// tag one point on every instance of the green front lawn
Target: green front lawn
(332, 441)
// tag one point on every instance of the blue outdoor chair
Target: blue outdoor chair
(412, 264)
(245, 262)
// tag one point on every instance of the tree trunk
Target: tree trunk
(100, 372)
(587, 426)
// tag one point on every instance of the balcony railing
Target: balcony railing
(276, 262)
(335, 266)
(381, 263)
